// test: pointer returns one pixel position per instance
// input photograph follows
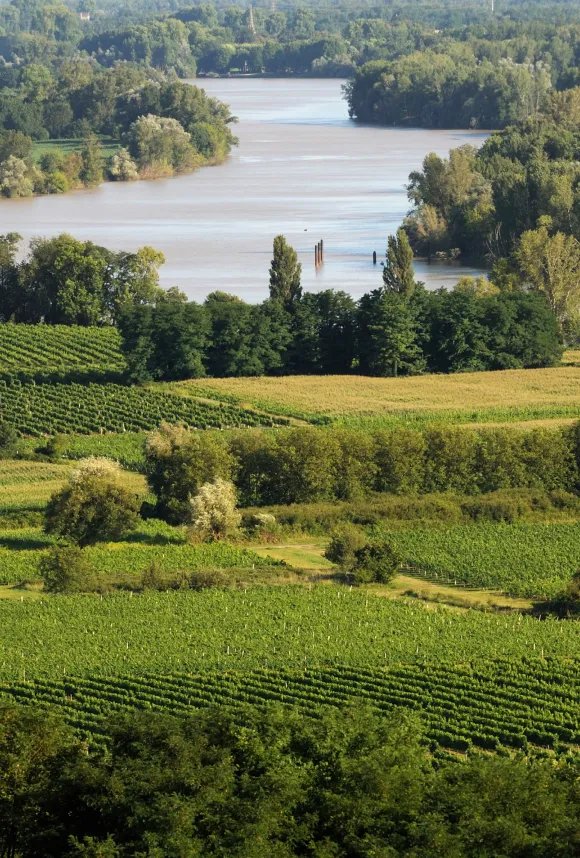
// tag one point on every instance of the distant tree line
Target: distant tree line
(515, 203)
(475, 77)
(159, 127)
(398, 329)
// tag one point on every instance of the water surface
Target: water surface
(302, 169)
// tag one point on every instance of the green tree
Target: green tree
(9, 269)
(551, 264)
(67, 569)
(8, 439)
(398, 274)
(285, 273)
(91, 172)
(158, 142)
(94, 507)
(178, 463)
(388, 335)
(374, 563)
(345, 541)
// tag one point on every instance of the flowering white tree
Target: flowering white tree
(213, 509)
(123, 167)
(14, 181)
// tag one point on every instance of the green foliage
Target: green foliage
(66, 569)
(285, 273)
(398, 273)
(158, 143)
(374, 563)
(178, 464)
(449, 88)
(388, 335)
(8, 439)
(91, 172)
(280, 776)
(345, 541)
(91, 510)
(307, 464)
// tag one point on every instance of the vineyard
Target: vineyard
(21, 551)
(523, 560)
(526, 704)
(45, 409)
(282, 627)
(59, 349)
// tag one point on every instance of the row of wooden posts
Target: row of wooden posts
(319, 254)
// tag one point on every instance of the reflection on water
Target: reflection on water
(302, 169)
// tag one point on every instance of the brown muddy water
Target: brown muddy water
(302, 169)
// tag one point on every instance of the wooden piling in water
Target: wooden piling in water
(316, 256)
(321, 250)
(374, 257)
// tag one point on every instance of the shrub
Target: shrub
(204, 579)
(345, 541)
(91, 508)
(375, 562)
(152, 579)
(67, 569)
(213, 509)
(8, 439)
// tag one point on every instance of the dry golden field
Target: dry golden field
(511, 395)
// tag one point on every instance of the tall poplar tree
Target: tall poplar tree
(398, 274)
(285, 272)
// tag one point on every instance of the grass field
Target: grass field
(511, 395)
(71, 144)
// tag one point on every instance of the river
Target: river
(302, 169)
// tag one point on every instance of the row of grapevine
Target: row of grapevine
(45, 409)
(36, 348)
(530, 560)
(528, 704)
(286, 627)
